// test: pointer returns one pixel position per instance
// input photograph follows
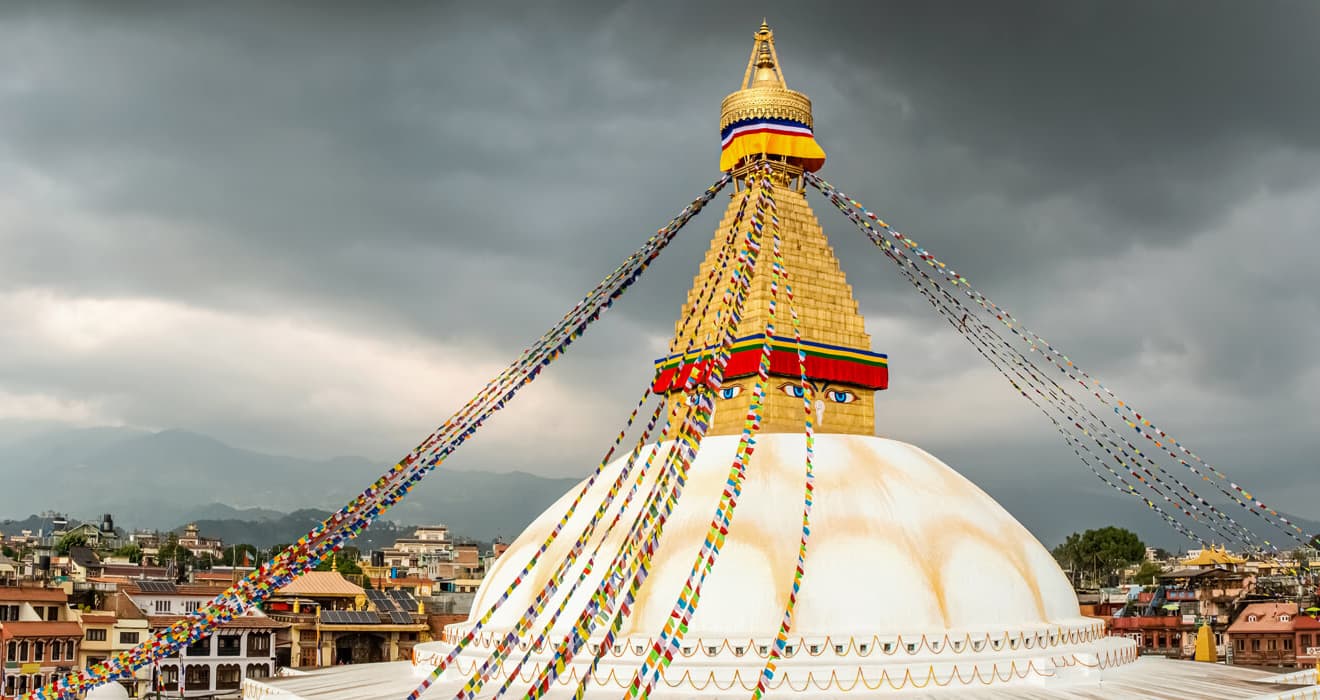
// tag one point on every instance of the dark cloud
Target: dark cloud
(1136, 181)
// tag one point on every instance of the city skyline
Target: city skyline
(320, 237)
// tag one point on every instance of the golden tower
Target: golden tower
(765, 122)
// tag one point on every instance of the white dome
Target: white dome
(906, 557)
(109, 691)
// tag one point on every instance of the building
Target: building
(82, 564)
(117, 629)
(39, 636)
(242, 648)
(193, 541)
(425, 554)
(333, 621)
(1263, 635)
(1307, 629)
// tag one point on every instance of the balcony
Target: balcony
(1161, 622)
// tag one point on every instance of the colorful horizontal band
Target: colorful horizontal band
(752, 138)
(829, 363)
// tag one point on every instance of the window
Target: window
(11, 686)
(197, 677)
(258, 671)
(191, 606)
(162, 606)
(1270, 644)
(1285, 618)
(169, 678)
(1306, 640)
(52, 614)
(70, 649)
(1287, 644)
(11, 654)
(228, 676)
(1255, 645)
(39, 651)
(1241, 645)
(128, 638)
(95, 635)
(23, 652)
(201, 647)
(1252, 618)
(258, 644)
(8, 613)
(229, 645)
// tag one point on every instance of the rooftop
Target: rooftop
(321, 583)
(27, 594)
(245, 622)
(12, 630)
(1264, 617)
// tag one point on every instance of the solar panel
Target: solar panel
(157, 587)
(401, 618)
(381, 601)
(362, 617)
(330, 617)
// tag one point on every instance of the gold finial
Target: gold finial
(764, 92)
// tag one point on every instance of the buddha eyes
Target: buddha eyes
(833, 395)
(794, 390)
(728, 392)
(838, 396)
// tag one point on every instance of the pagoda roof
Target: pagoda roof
(1213, 557)
(321, 583)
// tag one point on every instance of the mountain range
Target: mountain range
(161, 479)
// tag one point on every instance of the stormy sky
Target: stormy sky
(318, 229)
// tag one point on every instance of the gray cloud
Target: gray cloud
(1136, 182)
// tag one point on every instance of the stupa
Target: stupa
(914, 578)
(916, 581)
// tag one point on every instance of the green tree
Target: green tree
(131, 551)
(9, 552)
(1100, 553)
(69, 541)
(345, 560)
(240, 555)
(172, 551)
(1147, 574)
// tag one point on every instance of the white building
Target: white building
(423, 554)
(215, 666)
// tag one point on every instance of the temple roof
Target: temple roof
(321, 583)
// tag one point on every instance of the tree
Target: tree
(172, 551)
(69, 541)
(1101, 553)
(1147, 574)
(240, 555)
(130, 551)
(346, 561)
(9, 552)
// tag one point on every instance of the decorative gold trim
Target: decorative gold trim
(764, 94)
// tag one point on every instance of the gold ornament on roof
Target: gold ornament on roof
(764, 93)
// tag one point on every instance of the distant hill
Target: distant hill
(159, 480)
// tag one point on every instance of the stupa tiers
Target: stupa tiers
(915, 578)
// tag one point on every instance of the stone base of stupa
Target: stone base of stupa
(827, 667)
(1147, 677)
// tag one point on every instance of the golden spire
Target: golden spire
(764, 117)
(764, 92)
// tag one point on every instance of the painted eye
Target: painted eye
(728, 392)
(842, 396)
(794, 390)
